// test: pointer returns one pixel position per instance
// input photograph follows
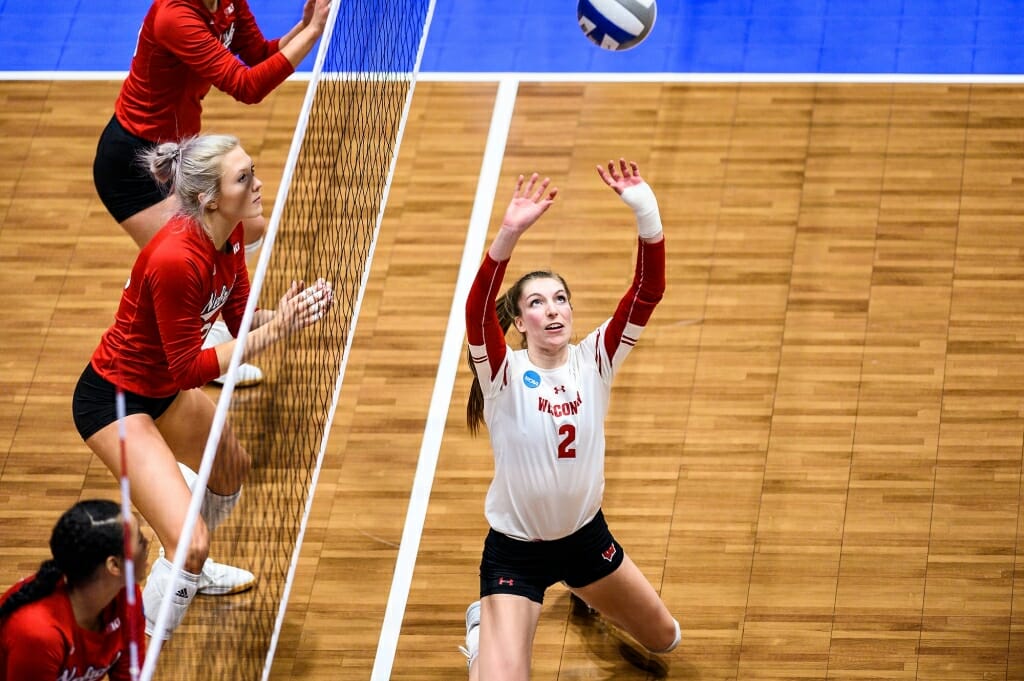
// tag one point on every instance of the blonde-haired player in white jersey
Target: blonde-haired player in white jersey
(544, 407)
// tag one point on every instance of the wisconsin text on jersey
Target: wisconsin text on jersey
(561, 408)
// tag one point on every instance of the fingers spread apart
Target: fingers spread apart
(314, 301)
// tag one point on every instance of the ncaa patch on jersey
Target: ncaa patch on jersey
(531, 379)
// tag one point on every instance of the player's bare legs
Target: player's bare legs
(158, 490)
(628, 601)
(185, 427)
(142, 226)
(507, 627)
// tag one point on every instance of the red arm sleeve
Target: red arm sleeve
(177, 298)
(482, 325)
(643, 295)
(185, 35)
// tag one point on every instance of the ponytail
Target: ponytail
(34, 589)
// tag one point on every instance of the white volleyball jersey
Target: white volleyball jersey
(546, 426)
(547, 432)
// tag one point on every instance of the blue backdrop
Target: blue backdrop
(691, 36)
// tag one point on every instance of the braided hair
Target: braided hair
(507, 307)
(81, 541)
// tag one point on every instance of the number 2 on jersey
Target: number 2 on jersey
(567, 445)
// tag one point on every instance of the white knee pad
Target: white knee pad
(158, 583)
(675, 642)
(189, 475)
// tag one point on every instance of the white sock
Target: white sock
(216, 507)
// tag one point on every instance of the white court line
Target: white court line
(671, 77)
(476, 237)
(624, 77)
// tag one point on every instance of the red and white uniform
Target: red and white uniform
(547, 425)
(182, 50)
(42, 642)
(179, 285)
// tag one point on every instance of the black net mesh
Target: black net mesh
(328, 229)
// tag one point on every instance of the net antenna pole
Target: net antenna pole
(133, 605)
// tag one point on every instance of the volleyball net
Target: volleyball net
(325, 224)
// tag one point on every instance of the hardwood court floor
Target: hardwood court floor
(814, 453)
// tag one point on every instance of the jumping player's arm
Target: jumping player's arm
(185, 34)
(635, 308)
(483, 330)
(314, 20)
(178, 300)
(248, 41)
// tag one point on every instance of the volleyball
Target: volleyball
(616, 24)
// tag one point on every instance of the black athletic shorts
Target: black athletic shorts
(528, 568)
(93, 405)
(124, 185)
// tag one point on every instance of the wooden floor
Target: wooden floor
(814, 453)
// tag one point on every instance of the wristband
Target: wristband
(641, 199)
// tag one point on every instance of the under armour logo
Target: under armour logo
(502, 581)
(559, 389)
(609, 553)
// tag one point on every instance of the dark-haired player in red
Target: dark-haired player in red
(68, 621)
(184, 48)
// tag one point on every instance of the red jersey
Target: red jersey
(42, 642)
(182, 50)
(179, 285)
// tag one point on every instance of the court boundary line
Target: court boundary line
(444, 382)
